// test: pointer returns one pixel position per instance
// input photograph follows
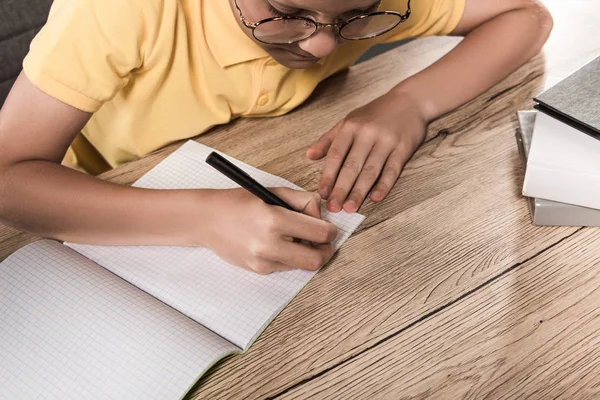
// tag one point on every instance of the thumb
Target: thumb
(308, 203)
(320, 148)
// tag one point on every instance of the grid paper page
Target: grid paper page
(228, 300)
(71, 329)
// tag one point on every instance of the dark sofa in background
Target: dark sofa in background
(20, 20)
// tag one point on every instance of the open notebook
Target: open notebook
(79, 321)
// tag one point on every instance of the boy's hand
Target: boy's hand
(259, 237)
(367, 150)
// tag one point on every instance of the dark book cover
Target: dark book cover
(575, 100)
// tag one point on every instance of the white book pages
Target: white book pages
(70, 329)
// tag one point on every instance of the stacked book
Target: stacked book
(560, 147)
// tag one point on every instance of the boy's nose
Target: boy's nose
(322, 43)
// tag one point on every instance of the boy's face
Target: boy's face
(307, 52)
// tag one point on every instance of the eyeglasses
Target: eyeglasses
(292, 29)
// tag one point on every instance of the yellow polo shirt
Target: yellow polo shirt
(157, 71)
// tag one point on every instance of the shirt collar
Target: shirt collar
(225, 38)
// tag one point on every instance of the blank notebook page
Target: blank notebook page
(228, 300)
(71, 329)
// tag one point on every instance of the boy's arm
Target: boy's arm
(367, 150)
(39, 195)
(499, 37)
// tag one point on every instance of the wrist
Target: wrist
(186, 217)
(417, 97)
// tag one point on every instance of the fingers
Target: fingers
(389, 175)
(277, 253)
(308, 203)
(335, 157)
(306, 224)
(265, 267)
(321, 146)
(360, 160)
(305, 227)
(368, 175)
(260, 236)
(350, 170)
(309, 258)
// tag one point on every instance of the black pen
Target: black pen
(244, 180)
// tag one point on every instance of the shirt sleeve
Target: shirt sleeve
(427, 18)
(88, 50)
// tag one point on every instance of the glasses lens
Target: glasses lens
(284, 31)
(368, 27)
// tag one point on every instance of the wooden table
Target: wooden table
(446, 290)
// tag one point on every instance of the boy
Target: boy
(107, 81)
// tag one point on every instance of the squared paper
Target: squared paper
(234, 303)
(71, 329)
(106, 322)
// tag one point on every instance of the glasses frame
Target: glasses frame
(339, 25)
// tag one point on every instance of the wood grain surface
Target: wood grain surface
(446, 290)
(533, 333)
(454, 221)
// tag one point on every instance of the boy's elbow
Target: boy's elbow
(7, 189)
(542, 20)
(4, 185)
(4, 193)
(4, 167)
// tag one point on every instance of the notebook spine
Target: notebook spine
(546, 212)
